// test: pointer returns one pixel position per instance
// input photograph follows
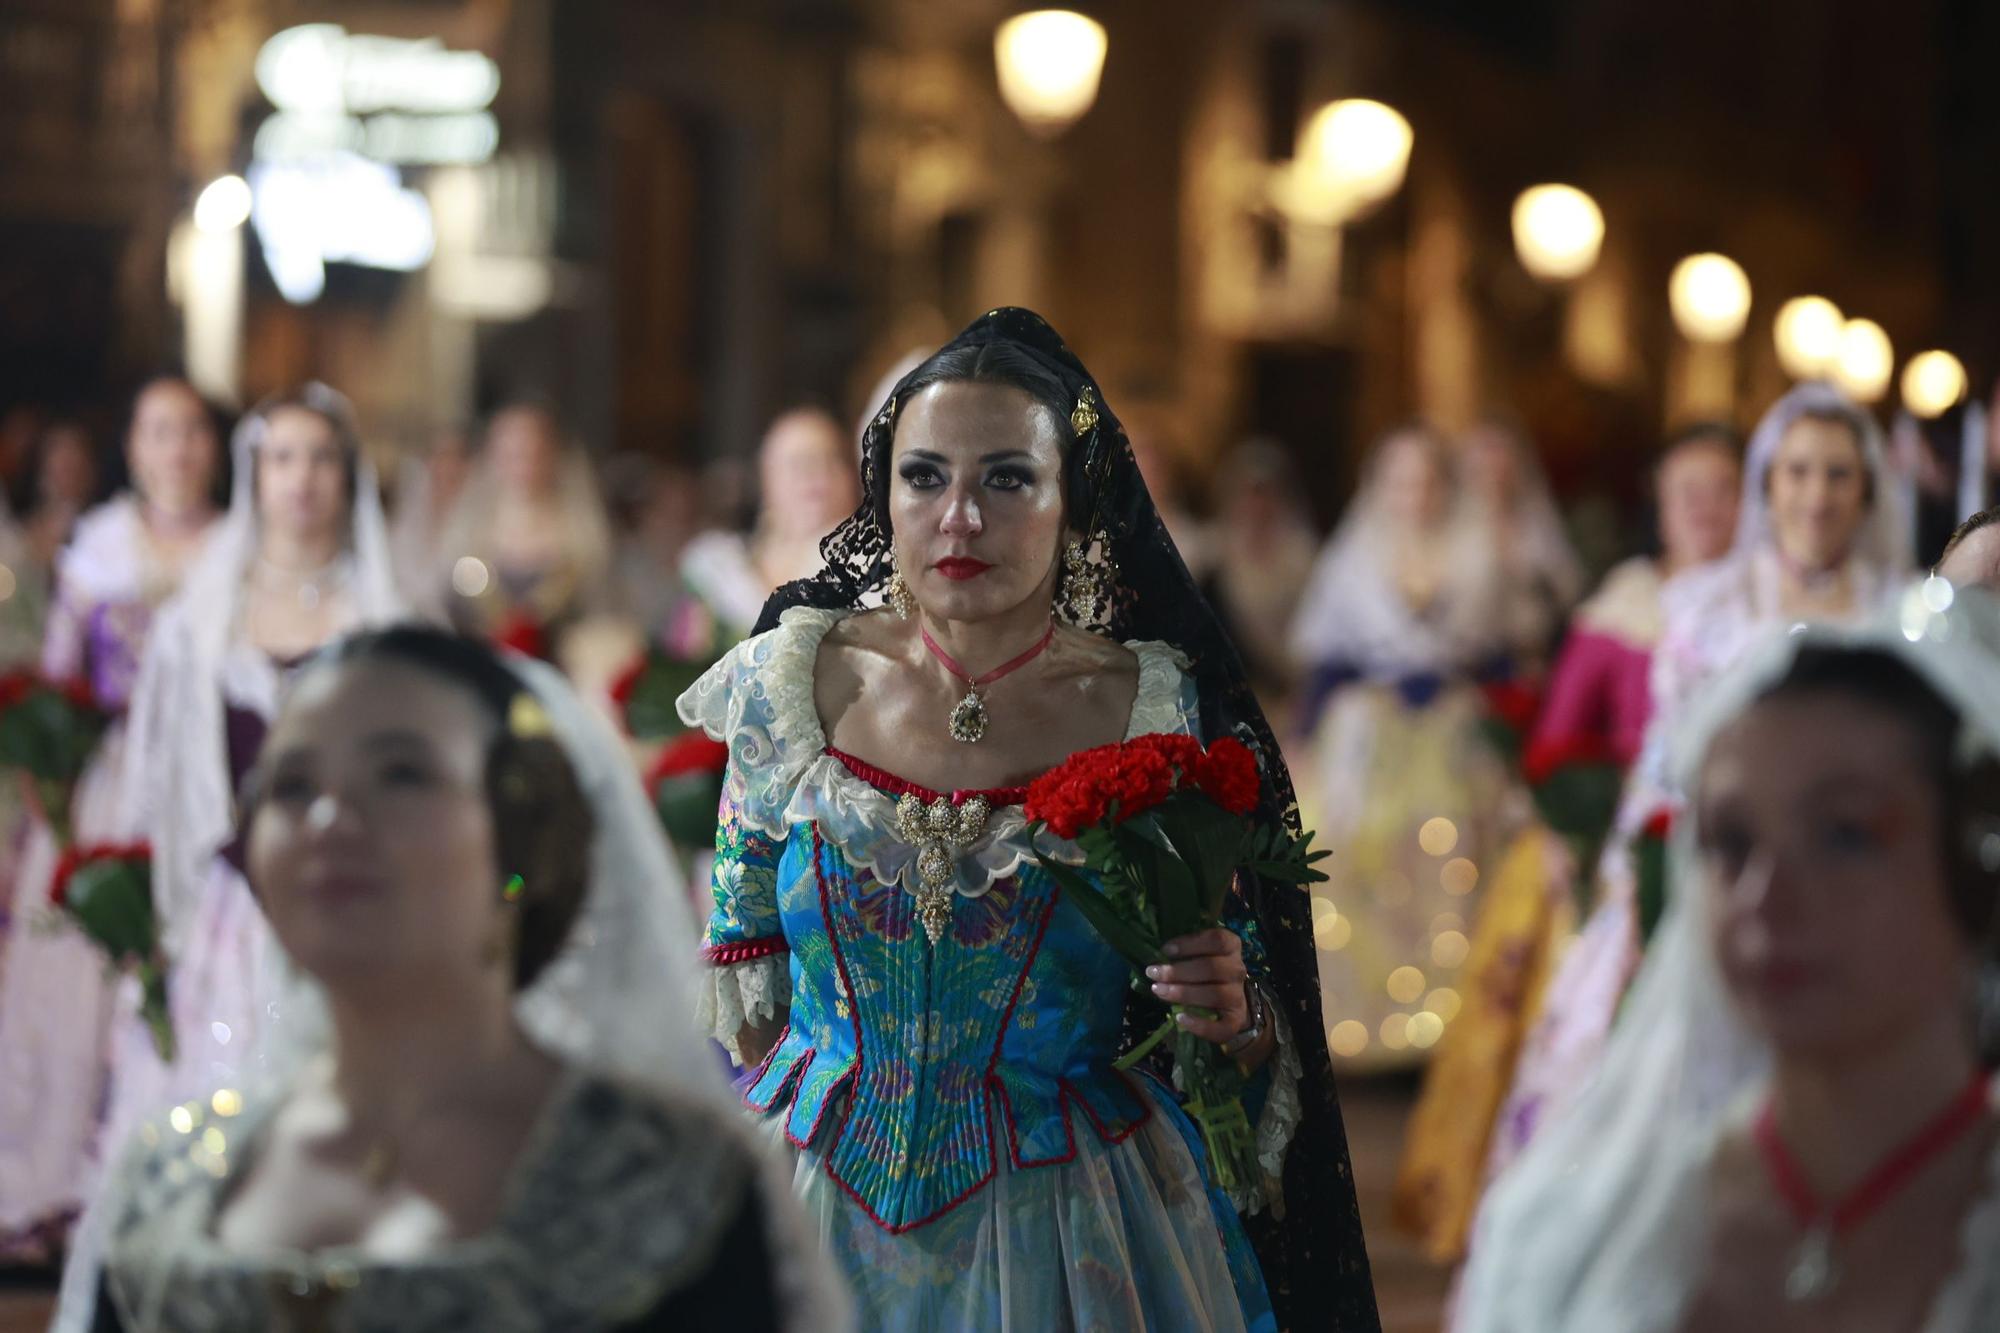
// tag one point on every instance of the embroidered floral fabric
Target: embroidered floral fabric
(911, 1078)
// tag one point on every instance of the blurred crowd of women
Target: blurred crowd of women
(1432, 667)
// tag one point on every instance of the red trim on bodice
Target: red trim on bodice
(882, 780)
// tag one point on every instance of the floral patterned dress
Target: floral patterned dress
(970, 1155)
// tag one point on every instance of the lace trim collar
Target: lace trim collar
(759, 700)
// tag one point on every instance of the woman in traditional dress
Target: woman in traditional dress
(805, 486)
(527, 553)
(302, 558)
(1403, 616)
(488, 1111)
(55, 997)
(971, 1157)
(1817, 539)
(1796, 1128)
(1265, 545)
(428, 485)
(66, 471)
(1597, 706)
(1508, 499)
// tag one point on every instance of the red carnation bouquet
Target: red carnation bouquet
(686, 784)
(48, 731)
(1511, 708)
(646, 691)
(108, 892)
(1576, 784)
(1166, 825)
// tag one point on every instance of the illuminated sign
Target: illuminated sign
(337, 208)
(387, 98)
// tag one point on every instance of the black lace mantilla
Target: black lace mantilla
(1314, 1261)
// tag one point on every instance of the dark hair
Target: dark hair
(1984, 518)
(996, 362)
(1968, 797)
(55, 429)
(542, 823)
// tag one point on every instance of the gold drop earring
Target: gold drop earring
(899, 597)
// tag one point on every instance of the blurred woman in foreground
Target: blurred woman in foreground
(1795, 1128)
(485, 1111)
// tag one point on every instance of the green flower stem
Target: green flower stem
(153, 1008)
(1158, 1035)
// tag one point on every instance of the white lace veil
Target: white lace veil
(175, 784)
(1353, 612)
(1536, 543)
(215, 583)
(1601, 1223)
(1884, 542)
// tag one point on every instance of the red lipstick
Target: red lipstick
(961, 567)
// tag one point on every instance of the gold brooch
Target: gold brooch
(937, 831)
(1083, 417)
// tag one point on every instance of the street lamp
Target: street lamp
(1866, 361)
(1807, 332)
(1710, 297)
(1933, 383)
(1049, 62)
(223, 205)
(1558, 231)
(1353, 154)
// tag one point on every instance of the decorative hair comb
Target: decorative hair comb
(1083, 417)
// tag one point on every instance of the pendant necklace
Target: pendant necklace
(309, 587)
(968, 716)
(1813, 1272)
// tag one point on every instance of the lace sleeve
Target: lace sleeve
(749, 979)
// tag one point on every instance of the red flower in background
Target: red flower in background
(694, 752)
(1513, 703)
(522, 633)
(76, 858)
(628, 680)
(1546, 757)
(16, 686)
(1659, 826)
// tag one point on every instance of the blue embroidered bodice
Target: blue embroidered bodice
(908, 1067)
(1016, 1010)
